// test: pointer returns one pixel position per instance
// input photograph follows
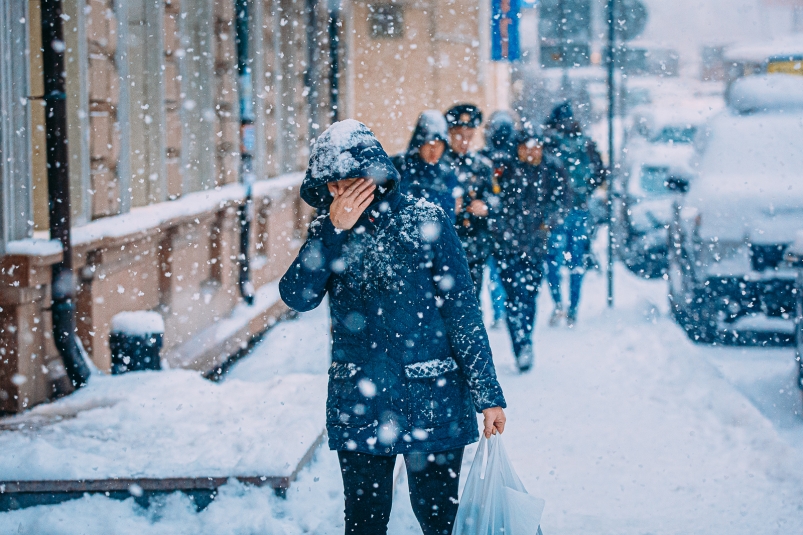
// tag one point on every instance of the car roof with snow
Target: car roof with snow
(759, 52)
(766, 93)
(750, 181)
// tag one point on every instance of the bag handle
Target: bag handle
(484, 457)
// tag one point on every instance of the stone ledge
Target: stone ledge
(213, 346)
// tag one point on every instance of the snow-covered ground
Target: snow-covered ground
(624, 426)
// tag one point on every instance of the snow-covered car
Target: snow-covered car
(657, 166)
(647, 190)
(727, 277)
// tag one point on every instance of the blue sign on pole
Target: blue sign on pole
(505, 30)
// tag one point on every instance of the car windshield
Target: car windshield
(653, 179)
(676, 134)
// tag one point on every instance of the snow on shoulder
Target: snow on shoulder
(330, 153)
(138, 323)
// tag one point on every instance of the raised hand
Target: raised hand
(350, 201)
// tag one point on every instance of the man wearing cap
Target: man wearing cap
(531, 193)
(474, 176)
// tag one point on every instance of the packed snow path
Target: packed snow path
(623, 427)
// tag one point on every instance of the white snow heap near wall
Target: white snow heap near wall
(330, 154)
(34, 247)
(139, 323)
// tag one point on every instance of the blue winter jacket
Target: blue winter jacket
(411, 362)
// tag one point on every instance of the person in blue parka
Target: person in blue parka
(425, 173)
(411, 362)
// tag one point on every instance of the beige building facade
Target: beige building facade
(407, 56)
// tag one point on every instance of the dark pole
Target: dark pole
(242, 25)
(611, 151)
(58, 191)
(311, 72)
(564, 51)
(334, 62)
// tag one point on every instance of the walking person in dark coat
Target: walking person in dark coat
(424, 172)
(411, 362)
(474, 175)
(500, 150)
(571, 242)
(531, 191)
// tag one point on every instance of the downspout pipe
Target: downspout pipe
(58, 192)
(334, 58)
(247, 140)
(311, 72)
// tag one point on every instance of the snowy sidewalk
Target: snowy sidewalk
(167, 424)
(623, 427)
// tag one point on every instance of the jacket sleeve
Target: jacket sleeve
(463, 318)
(303, 286)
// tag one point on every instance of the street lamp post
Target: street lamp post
(611, 152)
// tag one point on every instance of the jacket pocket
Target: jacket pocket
(349, 402)
(437, 393)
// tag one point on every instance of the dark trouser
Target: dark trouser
(368, 486)
(521, 278)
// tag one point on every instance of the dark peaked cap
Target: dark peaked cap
(464, 115)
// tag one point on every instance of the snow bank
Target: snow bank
(138, 323)
(167, 424)
(275, 187)
(145, 218)
(34, 247)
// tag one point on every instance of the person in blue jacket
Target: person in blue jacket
(425, 173)
(570, 242)
(411, 362)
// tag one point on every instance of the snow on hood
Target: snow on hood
(750, 184)
(431, 126)
(347, 149)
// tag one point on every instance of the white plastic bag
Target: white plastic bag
(494, 502)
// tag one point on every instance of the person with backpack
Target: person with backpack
(570, 240)
(411, 361)
(474, 176)
(532, 189)
(425, 174)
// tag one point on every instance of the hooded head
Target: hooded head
(562, 118)
(347, 149)
(500, 133)
(431, 126)
(530, 133)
